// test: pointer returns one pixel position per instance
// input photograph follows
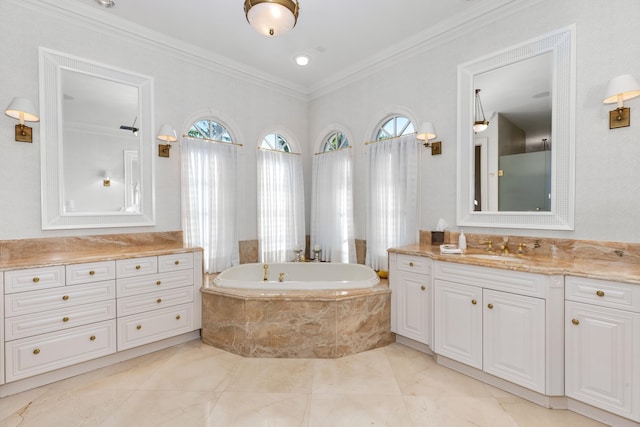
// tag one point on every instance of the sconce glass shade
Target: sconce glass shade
(167, 133)
(480, 122)
(271, 17)
(22, 109)
(427, 132)
(620, 89)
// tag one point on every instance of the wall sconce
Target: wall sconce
(480, 122)
(619, 90)
(168, 134)
(23, 110)
(427, 132)
(106, 181)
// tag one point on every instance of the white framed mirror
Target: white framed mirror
(97, 144)
(528, 96)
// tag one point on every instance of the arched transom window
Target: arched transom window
(395, 126)
(276, 142)
(335, 141)
(209, 129)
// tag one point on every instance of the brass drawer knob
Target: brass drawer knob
(474, 302)
(490, 306)
(36, 279)
(600, 293)
(178, 317)
(65, 319)
(158, 282)
(177, 262)
(138, 267)
(159, 300)
(139, 327)
(411, 264)
(36, 351)
(92, 338)
(423, 287)
(575, 322)
(65, 297)
(92, 273)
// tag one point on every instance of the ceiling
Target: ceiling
(342, 37)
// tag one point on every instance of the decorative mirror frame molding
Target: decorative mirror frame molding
(52, 63)
(562, 44)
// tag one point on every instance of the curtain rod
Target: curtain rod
(332, 151)
(212, 140)
(278, 151)
(386, 139)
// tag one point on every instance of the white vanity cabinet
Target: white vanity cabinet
(502, 322)
(410, 283)
(602, 323)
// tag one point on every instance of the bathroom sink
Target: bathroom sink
(495, 257)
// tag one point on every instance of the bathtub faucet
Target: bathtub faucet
(281, 277)
(266, 272)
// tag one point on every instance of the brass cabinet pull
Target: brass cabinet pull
(138, 267)
(575, 322)
(474, 302)
(36, 279)
(91, 273)
(178, 317)
(411, 264)
(65, 298)
(158, 282)
(36, 351)
(65, 319)
(177, 262)
(423, 287)
(600, 293)
(139, 327)
(92, 337)
(159, 300)
(490, 306)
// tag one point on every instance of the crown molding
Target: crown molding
(98, 20)
(436, 35)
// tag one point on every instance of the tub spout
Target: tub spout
(266, 272)
(281, 277)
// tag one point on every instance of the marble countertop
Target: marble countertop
(34, 260)
(605, 270)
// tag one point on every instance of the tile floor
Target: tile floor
(197, 385)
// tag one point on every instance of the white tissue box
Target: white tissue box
(450, 249)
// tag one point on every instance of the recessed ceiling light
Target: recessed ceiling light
(302, 60)
(106, 3)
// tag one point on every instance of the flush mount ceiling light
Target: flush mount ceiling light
(480, 122)
(106, 3)
(302, 60)
(272, 17)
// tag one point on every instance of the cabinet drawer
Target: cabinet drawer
(154, 282)
(603, 292)
(415, 264)
(153, 301)
(154, 325)
(136, 266)
(55, 320)
(35, 355)
(91, 272)
(175, 262)
(33, 278)
(52, 299)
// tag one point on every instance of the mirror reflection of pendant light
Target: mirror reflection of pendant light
(480, 122)
(272, 17)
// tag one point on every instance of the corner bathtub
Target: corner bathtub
(319, 310)
(298, 276)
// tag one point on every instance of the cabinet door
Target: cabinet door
(514, 338)
(413, 308)
(602, 361)
(458, 322)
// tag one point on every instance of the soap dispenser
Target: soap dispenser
(462, 241)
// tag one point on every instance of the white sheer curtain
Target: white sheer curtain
(332, 206)
(209, 201)
(392, 197)
(280, 205)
